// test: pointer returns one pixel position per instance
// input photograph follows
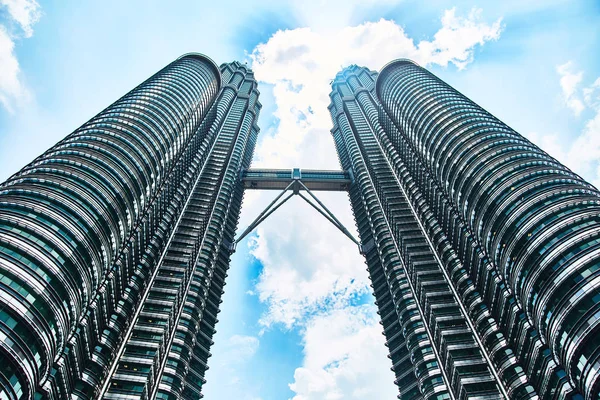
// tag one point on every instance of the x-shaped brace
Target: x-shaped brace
(294, 186)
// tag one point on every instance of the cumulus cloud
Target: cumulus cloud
(309, 266)
(22, 15)
(343, 351)
(313, 277)
(24, 12)
(236, 355)
(241, 348)
(456, 40)
(10, 85)
(569, 83)
(299, 64)
(591, 95)
(551, 144)
(582, 154)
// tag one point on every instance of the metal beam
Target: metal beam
(265, 213)
(340, 227)
(339, 224)
(277, 179)
(295, 181)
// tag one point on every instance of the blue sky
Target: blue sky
(297, 320)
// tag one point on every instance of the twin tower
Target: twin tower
(483, 250)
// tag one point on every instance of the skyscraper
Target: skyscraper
(482, 249)
(114, 244)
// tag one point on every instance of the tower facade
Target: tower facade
(481, 248)
(114, 243)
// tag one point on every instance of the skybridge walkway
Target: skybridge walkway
(279, 179)
(293, 182)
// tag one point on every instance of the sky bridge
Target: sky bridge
(293, 182)
(279, 179)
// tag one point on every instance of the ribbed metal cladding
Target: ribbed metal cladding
(166, 352)
(524, 226)
(438, 352)
(482, 249)
(405, 332)
(187, 365)
(81, 225)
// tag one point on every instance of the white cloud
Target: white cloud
(457, 38)
(343, 353)
(308, 264)
(234, 357)
(324, 266)
(11, 87)
(591, 95)
(551, 144)
(23, 13)
(569, 82)
(312, 272)
(241, 348)
(582, 154)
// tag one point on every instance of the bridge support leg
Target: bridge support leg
(270, 209)
(274, 205)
